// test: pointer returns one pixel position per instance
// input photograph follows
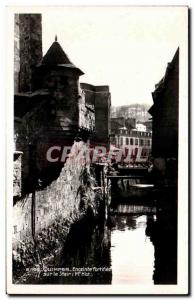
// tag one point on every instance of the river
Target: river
(134, 245)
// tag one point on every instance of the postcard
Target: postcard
(97, 150)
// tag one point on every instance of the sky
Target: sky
(127, 48)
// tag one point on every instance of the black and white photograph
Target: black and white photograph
(97, 143)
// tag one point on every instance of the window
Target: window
(121, 141)
(141, 142)
(148, 142)
(136, 142)
(131, 141)
(127, 141)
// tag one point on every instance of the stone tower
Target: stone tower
(57, 75)
(27, 49)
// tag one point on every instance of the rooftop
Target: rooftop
(55, 56)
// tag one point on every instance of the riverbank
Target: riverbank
(35, 253)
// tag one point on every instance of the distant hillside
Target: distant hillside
(137, 111)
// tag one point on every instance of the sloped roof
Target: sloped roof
(55, 56)
(161, 84)
(159, 88)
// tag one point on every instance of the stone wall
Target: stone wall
(67, 197)
(86, 113)
(100, 98)
(43, 219)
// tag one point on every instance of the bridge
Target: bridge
(130, 183)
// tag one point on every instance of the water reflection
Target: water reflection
(89, 246)
(137, 244)
(85, 256)
(132, 253)
(136, 209)
(163, 235)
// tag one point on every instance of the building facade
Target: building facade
(165, 111)
(136, 142)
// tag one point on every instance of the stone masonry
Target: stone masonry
(51, 109)
(17, 176)
(30, 48)
(57, 200)
(70, 198)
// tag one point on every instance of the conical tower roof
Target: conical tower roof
(56, 57)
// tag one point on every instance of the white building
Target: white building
(141, 127)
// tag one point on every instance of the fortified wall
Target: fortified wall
(44, 217)
(51, 109)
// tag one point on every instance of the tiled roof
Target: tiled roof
(55, 56)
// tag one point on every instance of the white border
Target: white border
(182, 287)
